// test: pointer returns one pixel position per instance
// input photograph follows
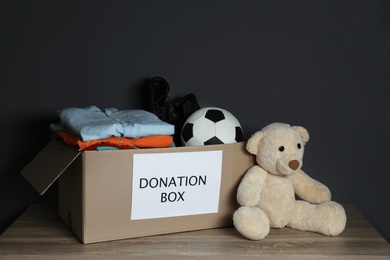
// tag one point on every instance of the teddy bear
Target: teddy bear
(266, 193)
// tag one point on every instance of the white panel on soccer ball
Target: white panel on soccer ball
(204, 129)
(194, 142)
(231, 118)
(196, 115)
(226, 131)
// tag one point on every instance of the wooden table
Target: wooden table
(40, 234)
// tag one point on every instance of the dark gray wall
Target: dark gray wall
(320, 64)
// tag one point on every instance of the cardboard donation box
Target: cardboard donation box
(109, 195)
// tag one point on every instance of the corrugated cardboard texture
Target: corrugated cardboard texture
(95, 190)
(108, 189)
(70, 197)
(48, 165)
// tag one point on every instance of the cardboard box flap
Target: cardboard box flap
(49, 164)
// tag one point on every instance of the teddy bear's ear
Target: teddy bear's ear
(303, 132)
(252, 144)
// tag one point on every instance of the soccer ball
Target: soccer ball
(211, 125)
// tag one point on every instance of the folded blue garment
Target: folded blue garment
(92, 123)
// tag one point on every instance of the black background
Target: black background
(320, 64)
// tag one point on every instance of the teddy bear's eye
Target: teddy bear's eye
(299, 146)
(281, 148)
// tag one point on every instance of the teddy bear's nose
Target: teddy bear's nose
(294, 164)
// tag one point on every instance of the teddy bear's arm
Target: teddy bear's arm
(248, 193)
(309, 189)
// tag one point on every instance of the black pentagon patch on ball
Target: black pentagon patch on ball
(213, 140)
(187, 132)
(239, 134)
(214, 115)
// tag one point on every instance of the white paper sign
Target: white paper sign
(176, 184)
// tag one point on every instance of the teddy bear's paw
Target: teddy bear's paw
(251, 222)
(334, 218)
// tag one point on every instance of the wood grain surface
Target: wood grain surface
(39, 234)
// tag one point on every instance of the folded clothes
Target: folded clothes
(92, 123)
(158, 141)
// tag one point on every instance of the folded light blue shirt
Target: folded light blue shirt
(92, 123)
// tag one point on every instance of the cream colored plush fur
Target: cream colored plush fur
(267, 191)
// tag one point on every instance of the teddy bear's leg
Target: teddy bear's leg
(327, 218)
(251, 222)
